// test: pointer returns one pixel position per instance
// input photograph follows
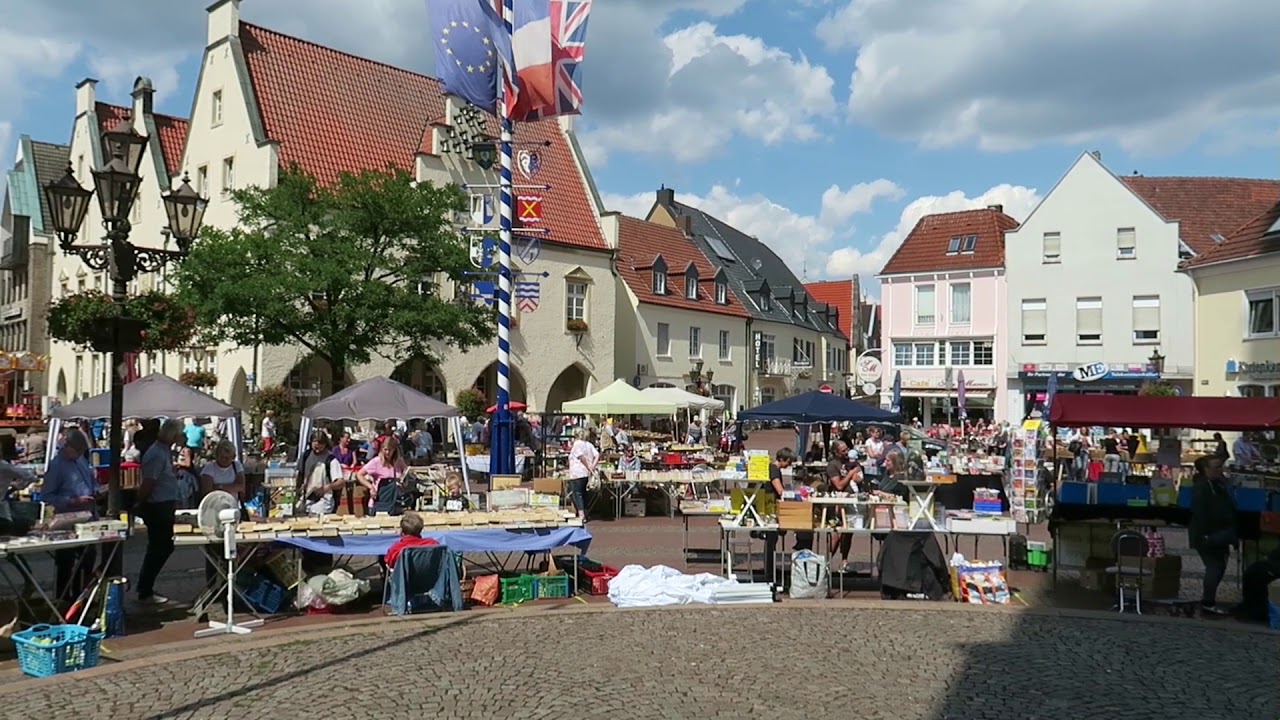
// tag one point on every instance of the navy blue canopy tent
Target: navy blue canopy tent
(817, 407)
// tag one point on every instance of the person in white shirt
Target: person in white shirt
(583, 458)
(224, 472)
(321, 476)
(875, 447)
(268, 433)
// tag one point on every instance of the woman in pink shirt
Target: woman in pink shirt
(381, 476)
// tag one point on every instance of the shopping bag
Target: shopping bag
(810, 577)
(983, 583)
(486, 590)
(1155, 543)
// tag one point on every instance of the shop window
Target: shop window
(926, 305)
(1089, 321)
(1051, 248)
(1034, 322)
(1146, 319)
(1252, 390)
(1263, 313)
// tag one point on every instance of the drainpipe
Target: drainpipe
(750, 365)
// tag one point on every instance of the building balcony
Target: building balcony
(778, 367)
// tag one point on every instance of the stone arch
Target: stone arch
(311, 380)
(61, 386)
(421, 375)
(241, 396)
(487, 383)
(571, 384)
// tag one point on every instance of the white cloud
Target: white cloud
(719, 87)
(26, 61)
(1152, 75)
(804, 242)
(1018, 202)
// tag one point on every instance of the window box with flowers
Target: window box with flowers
(198, 379)
(152, 321)
(576, 326)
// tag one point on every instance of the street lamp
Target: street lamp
(1156, 362)
(117, 184)
(699, 379)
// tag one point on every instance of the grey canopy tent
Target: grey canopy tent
(382, 398)
(154, 396)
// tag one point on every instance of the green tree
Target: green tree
(345, 271)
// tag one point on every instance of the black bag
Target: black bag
(1074, 447)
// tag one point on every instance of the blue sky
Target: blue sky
(825, 127)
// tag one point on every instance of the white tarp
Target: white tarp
(683, 399)
(637, 586)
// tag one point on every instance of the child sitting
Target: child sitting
(410, 536)
(456, 500)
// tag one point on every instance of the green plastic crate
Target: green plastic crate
(552, 586)
(1038, 558)
(518, 589)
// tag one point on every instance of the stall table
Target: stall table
(14, 552)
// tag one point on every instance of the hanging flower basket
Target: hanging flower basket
(161, 323)
(576, 326)
(199, 379)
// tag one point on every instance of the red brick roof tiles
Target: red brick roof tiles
(1249, 241)
(640, 243)
(839, 295)
(172, 131)
(332, 112)
(1205, 206)
(925, 249)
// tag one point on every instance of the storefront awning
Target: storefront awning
(1203, 413)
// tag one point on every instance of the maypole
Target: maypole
(502, 448)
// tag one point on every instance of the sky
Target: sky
(827, 128)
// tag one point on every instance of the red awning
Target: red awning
(1137, 411)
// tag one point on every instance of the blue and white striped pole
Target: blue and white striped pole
(502, 448)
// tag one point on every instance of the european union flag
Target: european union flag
(469, 45)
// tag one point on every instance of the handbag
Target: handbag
(810, 576)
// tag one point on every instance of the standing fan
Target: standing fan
(218, 515)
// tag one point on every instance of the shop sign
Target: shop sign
(979, 382)
(869, 368)
(1266, 368)
(1090, 372)
(758, 340)
(824, 389)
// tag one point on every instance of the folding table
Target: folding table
(14, 552)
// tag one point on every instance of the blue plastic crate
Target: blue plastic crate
(1113, 494)
(987, 506)
(265, 594)
(1251, 499)
(46, 650)
(1073, 493)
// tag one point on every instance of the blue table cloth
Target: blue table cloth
(460, 541)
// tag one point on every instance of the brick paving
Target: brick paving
(780, 662)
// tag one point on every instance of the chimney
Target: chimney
(143, 97)
(224, 20)
(997, 208)
(1097, 155)
(685, 224)
(86, 96)
(666, 196)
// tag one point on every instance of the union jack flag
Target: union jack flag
(568, 47)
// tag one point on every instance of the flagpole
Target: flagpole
(502, 459)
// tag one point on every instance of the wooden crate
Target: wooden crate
(795, 515)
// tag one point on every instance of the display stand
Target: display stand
(920, 503)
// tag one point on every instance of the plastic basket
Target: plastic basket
(517, 589)
(552, 586)
(265, 595)
(46, 650)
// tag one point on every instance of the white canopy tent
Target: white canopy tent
(620, 398)
(683, 399)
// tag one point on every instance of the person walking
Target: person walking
(157, 503)
(1212, 531)
(583, 458)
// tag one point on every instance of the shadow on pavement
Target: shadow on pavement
(1049, 667)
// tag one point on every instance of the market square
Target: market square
(353, 356)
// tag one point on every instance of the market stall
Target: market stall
(154, 396)
(619, 398)
(381, 399)
(1156, 499)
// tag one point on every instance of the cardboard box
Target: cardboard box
(795, 515)
(553, 486)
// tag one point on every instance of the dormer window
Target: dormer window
(722, 292)
(659, 276)
(691, 283)
(962, 244)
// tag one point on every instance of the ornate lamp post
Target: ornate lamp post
(1156, 362)
(700, 380)
(116, 185)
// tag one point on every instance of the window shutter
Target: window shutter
(1146, 314)
(1034, 320)
(1089, 317)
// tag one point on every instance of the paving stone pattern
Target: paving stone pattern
(773, 663)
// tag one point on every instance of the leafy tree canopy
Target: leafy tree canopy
(346, 271)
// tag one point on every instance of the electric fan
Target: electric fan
(218, 515)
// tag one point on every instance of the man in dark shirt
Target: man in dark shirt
(782, 460)
(843, 475)
(1220, 447)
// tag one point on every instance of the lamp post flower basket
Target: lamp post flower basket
(576, 326)
(471, 402)
(149, 322)
(199, 379)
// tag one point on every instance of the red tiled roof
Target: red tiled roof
(172, 131)
(332, 112)
(639, 242)
(1246, 242)
(1204, 206)
(925, 249)
(839, 295)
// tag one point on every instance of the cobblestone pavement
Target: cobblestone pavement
(732, 663)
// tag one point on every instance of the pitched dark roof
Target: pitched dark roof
(50, 161)
(752, 266)
(1205, 206)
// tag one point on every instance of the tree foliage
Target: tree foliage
(340, 270)
(471, 402)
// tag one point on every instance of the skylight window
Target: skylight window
(953, 246)
(968, 244)
(721, 250)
